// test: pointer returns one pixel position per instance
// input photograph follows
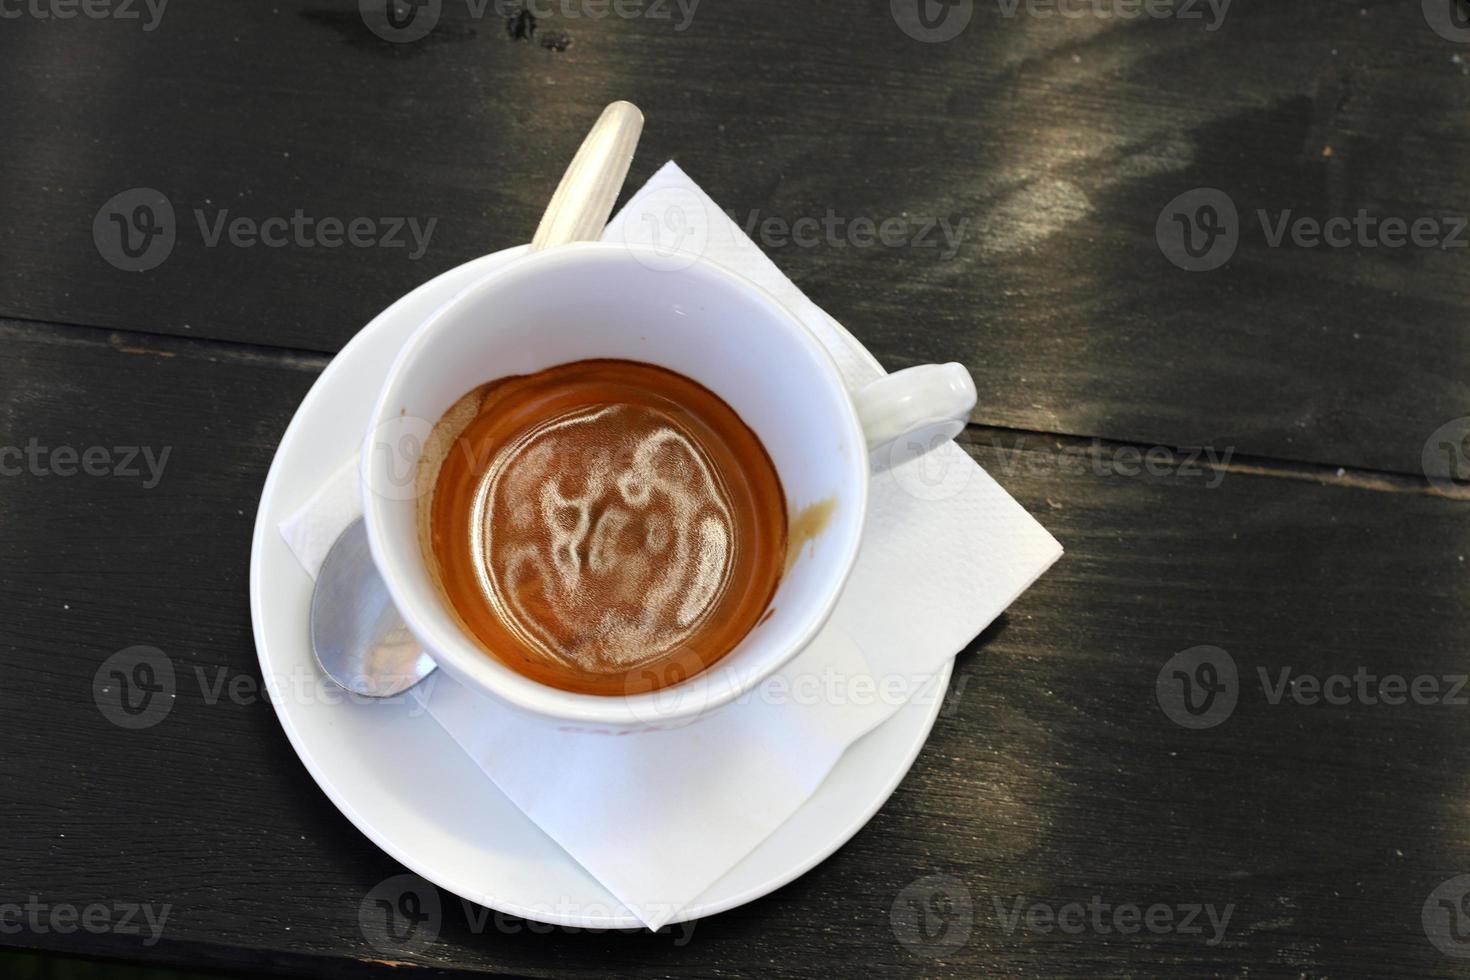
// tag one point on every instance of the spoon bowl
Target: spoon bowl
(358, 638)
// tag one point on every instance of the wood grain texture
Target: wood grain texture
(1051, 777)
(1050, 144)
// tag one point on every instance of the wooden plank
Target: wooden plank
(1050, 145)
(1052, 776)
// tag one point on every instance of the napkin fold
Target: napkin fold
(659, 817)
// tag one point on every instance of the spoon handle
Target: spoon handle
(583, 201)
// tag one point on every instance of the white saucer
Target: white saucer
(400, 778)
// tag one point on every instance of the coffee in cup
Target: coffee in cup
(605, 527)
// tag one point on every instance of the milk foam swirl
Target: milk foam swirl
(605, 527)
(602, 554)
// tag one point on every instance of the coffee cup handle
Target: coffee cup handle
(923, 406)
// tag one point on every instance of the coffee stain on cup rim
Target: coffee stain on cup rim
(805, 525)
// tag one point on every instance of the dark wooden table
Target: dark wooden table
(1134, 279)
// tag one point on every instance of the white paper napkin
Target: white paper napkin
(658, 818)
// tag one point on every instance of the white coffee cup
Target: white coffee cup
(595, 300)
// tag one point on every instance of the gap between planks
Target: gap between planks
(145, 344)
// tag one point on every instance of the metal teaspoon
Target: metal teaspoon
(358, 637)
